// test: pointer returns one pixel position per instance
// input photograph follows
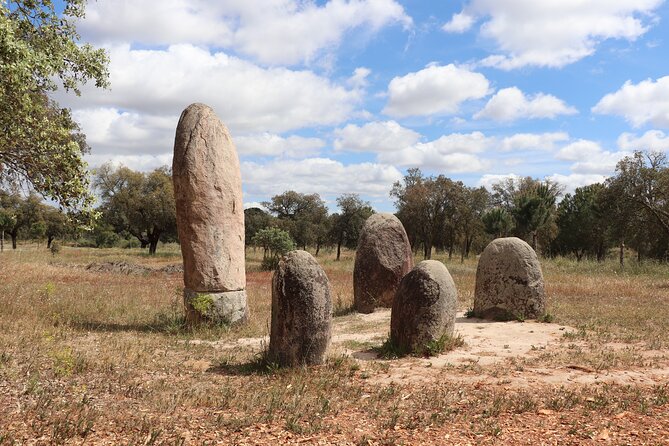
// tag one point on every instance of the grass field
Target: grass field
(97, 356)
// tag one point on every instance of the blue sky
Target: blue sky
(343, 96)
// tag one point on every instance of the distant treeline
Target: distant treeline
(631, 208)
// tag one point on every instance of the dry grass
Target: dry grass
(104, 358)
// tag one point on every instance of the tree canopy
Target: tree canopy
(40, 144)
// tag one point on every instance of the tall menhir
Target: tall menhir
(210, 218)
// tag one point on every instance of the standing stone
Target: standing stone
(301, 311)
(424, 307)
(383, 257)
(509, 282)
(210, 217)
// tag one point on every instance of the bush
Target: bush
(275, 243)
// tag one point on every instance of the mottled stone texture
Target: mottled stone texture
(424, 307)
(383, 257)
(509, 282)
(210, 215)
(301, 311)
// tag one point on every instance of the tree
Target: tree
(39, 142)
(530, 202)
(7, 219)
(638, 199)
(57, 224)
(25, 212)
(347, 224)
(497, 222)
(275, 243)
(582, 224)
(469, 212)
(255, 219)
(303, 216)
(141, 204)
(426, 206)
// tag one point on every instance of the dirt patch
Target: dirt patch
(123, 267)
(494, 353)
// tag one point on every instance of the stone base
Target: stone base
(228, 307)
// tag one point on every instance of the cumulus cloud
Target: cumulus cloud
(374, 137)
(109, 130)
(574, 180)
(268, 144)
(454, 153)
(510, 104)
(271, 31)
(642, 103)
(553, 33)
(324, 176)
(434, 90)
(533, 141)
(459, 23)
(651, 140)
(589, 157)
(248, 98)
(488, 180)
(141, 162)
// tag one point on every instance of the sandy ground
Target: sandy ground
(488, 346)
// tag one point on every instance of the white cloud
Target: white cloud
(268, 144)
(137, 162)
(359, 78)
(271, 31)
(324, 176)
(452, 153)
(510, 104)
(553, 33)
(651, 140)
(533, 141)
(434, 90)
(574, 180)
(247, 98)
(375, 137)
(459, 23)
(642, 103)
(590, 158)
(109, 130)
(579, 150)
(488, 180)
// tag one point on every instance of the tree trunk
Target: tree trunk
(339, 249)
(450, 251)
(622, 254)
(13, 234)
(153, 245)
(534, 240)
(318, 248)
(48, 242)
(427, 251)
(154, 237)
(2, 240)
(143, 243)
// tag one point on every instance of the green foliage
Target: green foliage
(39, 142)
(275, 243)
(497, 222)
(255, 219)
(346, 225)
(202, 303)
(303, 216)
(437, 211)
(141, 204)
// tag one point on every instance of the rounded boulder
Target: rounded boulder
(424, 307)
(301, 311)
(509, 282)
(382, 258)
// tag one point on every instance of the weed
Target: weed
(546, 318)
